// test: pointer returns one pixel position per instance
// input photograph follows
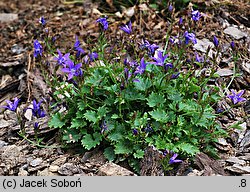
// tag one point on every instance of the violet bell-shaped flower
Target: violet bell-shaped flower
(215, 41)
(150, 47)
(72, 69)
(103, 21)
(196, 15)
(236, 97)
(61, 59)
(189, 37)
(93, 56)
(42, 21)
(160, 59)
(174, 160)
(77, 47)
(36, 109)
(141, 68)
(127, 28)
(12, 106)
(38, 49)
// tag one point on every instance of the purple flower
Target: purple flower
(174, 160)
(103, 127)
(236, 97)
(168, 66)
(78, 48)
(36, 125)
(196, 15)
(37, 48)
(198, 58)
(215, 41)
(170, 8)
(93, 56)
(232, 44)
(12, 106)
(135, 132)
(175, 76)
(127, 28)
(189, 37)
(160, 59)
(42, 21)
(127, 74)
(132, 63)
(71, 69)
(103, 22)
(180, 21)
(148, 129)
(151, 47)
(61, 60)
(36, 109)
(141, 68)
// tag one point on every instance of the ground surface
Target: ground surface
(19, 77)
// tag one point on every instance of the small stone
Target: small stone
(4, 123)
(195, 172)
(246, 157)
(59, 161)
(202, 45)
(111, 169)
(44, 172)
(224, 72)
(68, 169)
(235, 33)
(8, 17)
(36, 162)
(53, 168)
(236, 160)
(3, 143)
(239, 169)
(245, 143)
(22, 172)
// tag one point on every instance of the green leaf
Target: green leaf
(155, 99)
(109, 153)
(143, 84)
(91, 116)
(159, 115)
(89, 141)
(187, 148)
(71, 136)
(57, 121)
(123, 147)
(78, 123)
(81, 105)
(101, 112)
(114, 116)
(138, 154)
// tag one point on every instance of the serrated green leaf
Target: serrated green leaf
(109, 153)
(123, 147)
(101, 112)
(138, 154)
(114, 116)
(57, 121)
(142, 84)
(78, 123)
(159, 115)
(91, 116)
(187, 148)
(81, 105)
(155, 99)
(89, 141)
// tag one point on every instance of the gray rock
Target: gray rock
(111, 169)
(8, 17)
(36, 162)
(53, 168)
(3, 143)
(224, 72)
(235, 33)
(4, 123)
(68, 169)
(59, 161)
(246, 157)
(202, 45)
(46, 172)
(245, 143)
(22, 172)
(239, 169)
(236, 160)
